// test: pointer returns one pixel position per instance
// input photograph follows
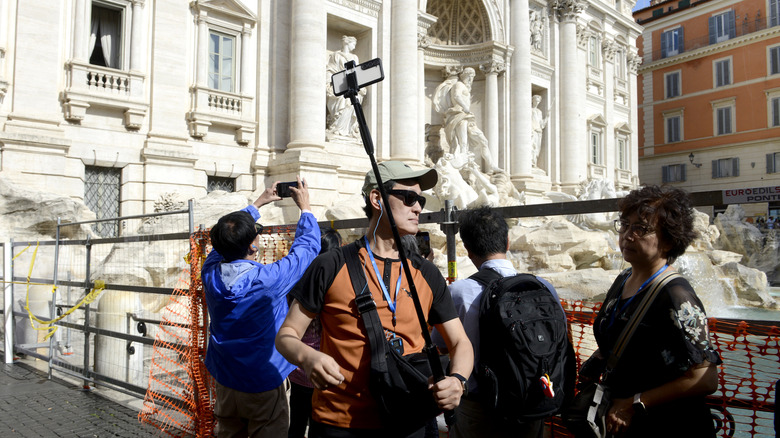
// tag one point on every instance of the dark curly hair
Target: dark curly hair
(669, 209)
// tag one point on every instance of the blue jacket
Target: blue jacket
(247, 303)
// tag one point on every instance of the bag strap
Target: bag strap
(366, 308)
(485, 276)
(636, 318)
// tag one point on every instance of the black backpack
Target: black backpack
(523, 336)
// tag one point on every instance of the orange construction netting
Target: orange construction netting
(179, 400)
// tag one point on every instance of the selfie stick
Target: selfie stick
(430, 350)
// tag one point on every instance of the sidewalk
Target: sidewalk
(33, 406)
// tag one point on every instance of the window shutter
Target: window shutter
(732, 23)
(773, 4)
(665, 174)
(664, 38)
(770, 163)
(683, 167)
(680, 40)
(715, 169)
(735, 162)
(713, 37)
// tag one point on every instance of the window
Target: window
(673, 173)
(672, 42)
(774, 112)
(620, 64)
(774, 12)
(774, 59)
(725, 167)
(722, 27)
(622, 153)
(105, 37)
(221, 65)
(672, 83)
(217, 183)
(595, 146)
(722, 69)
(101, 195)
(673, 128)
(593, 52)
(724, 120)
(773, 162)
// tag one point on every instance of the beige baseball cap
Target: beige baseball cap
(397, 171)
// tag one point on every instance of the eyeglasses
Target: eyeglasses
(409, 197)
(637, 229)
(258, 228)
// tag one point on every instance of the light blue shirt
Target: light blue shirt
(466, 295)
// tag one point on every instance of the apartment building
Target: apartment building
(709, 96)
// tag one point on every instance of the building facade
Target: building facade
(122, 102)
(709, 96)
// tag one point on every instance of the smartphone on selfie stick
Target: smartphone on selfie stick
(348, 83)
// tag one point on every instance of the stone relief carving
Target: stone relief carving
(634, 61)
(538, 123)
(452, 99)
(537, 31)
(569, 9)
(341, 119)
(608, 49)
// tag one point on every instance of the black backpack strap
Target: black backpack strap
(366, 308)
(485, 276)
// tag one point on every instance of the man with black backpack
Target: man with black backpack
(522, 354)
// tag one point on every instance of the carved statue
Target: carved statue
(341, 116)
(538, 123)
(452, 99)
(536, 31)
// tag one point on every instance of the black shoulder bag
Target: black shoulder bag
(586, 416)
(399, 384)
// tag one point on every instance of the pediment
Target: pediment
(230, 8)
(597, 119)
(623, 128)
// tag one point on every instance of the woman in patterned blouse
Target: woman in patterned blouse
(669, 366)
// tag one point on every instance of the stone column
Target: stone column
(307, 74)
(491, 71)
(423, 41)
(246, 62)
(203, 51)
(520, 149)
(404, 121)
(80, 31)
(574, 144)
(138, 38)
(634, 61)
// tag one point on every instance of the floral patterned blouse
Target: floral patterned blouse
(672, 337)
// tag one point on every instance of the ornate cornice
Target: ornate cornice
(472, 55)
(367, 7)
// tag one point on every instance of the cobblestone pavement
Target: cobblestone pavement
(33, 406)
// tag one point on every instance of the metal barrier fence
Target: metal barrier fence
(87, 284)
(82, 303)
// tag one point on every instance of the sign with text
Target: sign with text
(747, 196)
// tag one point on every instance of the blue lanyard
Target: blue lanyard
(628, 302)
(391, 304)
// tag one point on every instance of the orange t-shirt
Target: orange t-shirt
(326, 289)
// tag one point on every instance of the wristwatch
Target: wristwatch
(639, 407)
(464, 382)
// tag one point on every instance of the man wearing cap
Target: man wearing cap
(342, 405)
(247, 303)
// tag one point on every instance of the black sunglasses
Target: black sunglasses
(258, 228)
(409, 197)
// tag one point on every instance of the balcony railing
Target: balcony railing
(744, 26)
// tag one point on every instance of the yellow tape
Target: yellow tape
(452, 269)
(47, 325)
